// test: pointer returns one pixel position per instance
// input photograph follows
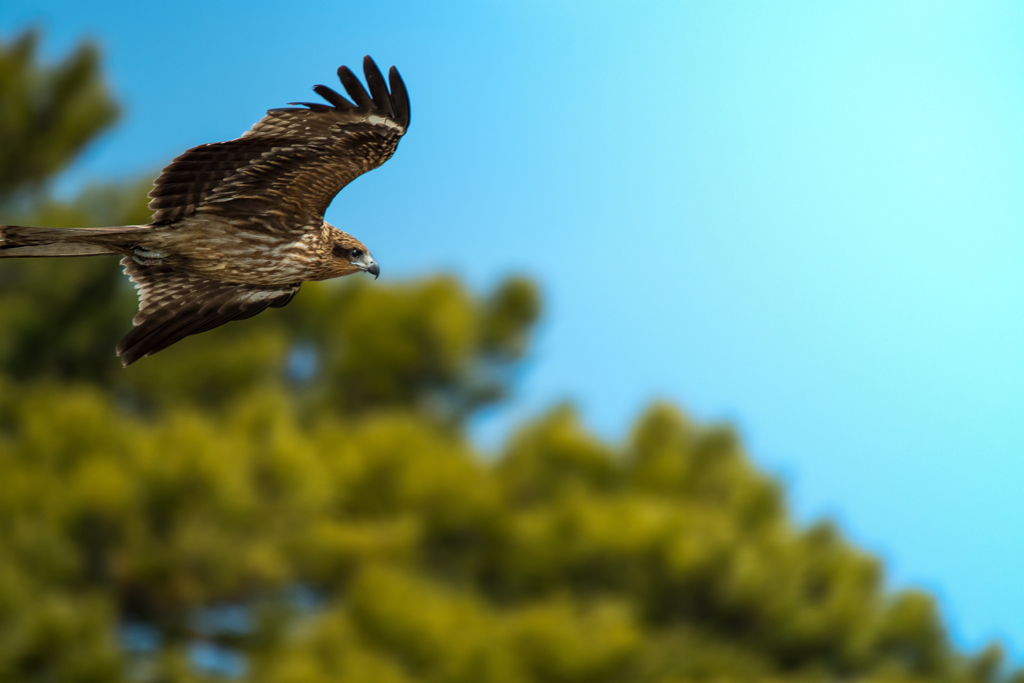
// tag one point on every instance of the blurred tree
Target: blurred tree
(292, 500)
(328, 548)
(47, 114)
(62, 317)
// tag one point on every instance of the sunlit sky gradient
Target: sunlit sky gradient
(804, 218)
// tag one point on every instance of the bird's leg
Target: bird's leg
(145, 257)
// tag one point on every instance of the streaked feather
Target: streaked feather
(174, 305)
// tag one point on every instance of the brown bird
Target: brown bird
(239, 225)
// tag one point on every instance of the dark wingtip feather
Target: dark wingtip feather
(153, 336)
(399, 98)
(333, 97)
(128, 348)
(354, 88)
(378, 87)
(133, 345)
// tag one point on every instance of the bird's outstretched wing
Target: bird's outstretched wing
(291, 164)
(174, 305)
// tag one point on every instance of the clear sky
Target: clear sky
(805, 218)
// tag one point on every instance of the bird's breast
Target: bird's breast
(249, 254)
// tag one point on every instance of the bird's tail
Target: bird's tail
(17, 241)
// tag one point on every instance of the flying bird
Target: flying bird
(238, 226)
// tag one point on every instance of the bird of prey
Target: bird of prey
(238, 226)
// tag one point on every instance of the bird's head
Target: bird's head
(348, 255)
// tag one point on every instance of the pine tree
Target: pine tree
(47, 114)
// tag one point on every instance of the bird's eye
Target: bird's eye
(357, 254)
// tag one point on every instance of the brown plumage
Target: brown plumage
(238, 226)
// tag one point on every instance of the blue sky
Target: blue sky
(804, 218)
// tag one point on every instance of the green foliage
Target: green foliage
(61, 318)
(47, 114)
(297, 493)
(558, 562)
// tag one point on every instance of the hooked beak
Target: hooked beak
(368, 265)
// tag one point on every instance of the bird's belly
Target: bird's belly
(250, 257)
